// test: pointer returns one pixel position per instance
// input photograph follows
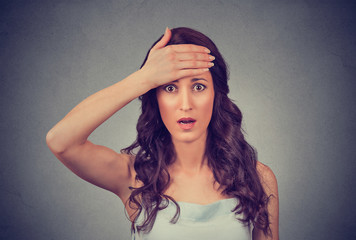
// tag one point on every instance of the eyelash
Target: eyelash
(194, 86)
(166, 88)
(201, 85)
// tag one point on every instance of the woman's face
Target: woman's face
(186, 106)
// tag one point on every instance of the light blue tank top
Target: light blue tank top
(197, 222)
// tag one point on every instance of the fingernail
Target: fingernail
(211, 57)
(166, 30)
(207, 50)
(210, 64)
(205, 69)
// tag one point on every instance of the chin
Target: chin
(189, 137)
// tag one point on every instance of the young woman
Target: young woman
(190, 174)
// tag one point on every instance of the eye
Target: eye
(199, 87)
(170, 88)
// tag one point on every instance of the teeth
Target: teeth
(185, 122)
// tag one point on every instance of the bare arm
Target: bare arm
(269, 183)
(100, 165)
(96, 164)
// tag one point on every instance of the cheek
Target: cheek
(165, 108)
(206, 105)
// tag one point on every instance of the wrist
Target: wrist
(138, 82)
(144, 80)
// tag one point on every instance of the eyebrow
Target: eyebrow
(193, 80)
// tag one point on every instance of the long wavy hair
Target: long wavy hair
(231, 159)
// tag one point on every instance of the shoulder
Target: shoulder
(267, 178)
(269, 184)
(130, 159)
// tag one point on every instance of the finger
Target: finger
(191, 72)
(193, 64)
(164, 40)
(189, 48)
(194, 56)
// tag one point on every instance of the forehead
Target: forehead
(204, 77)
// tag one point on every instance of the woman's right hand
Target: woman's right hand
(99, 165)
(168, 63)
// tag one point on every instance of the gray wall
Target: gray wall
(292, 65)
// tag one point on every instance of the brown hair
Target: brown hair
(232, 160)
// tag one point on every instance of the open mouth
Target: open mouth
(186, 121)
(186, 124)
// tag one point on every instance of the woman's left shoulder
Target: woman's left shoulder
(268, 178)
(269, 184)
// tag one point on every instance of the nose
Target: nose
(185, 100)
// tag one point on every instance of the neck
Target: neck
(190, 156)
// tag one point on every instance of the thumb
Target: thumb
(164, 40)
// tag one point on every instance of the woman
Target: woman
(192, 175)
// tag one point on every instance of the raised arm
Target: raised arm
(96, 164)
(100, 165)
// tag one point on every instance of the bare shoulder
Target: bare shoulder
(269, 184)
(267, 178)
(131, 161)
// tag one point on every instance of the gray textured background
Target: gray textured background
(293, 69)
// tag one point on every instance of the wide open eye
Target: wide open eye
(199, 87)
(170, 88)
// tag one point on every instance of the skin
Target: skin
(192, 180)
(187, 97)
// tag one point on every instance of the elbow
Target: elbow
(53, 143)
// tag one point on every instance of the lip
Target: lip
(186, 123)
